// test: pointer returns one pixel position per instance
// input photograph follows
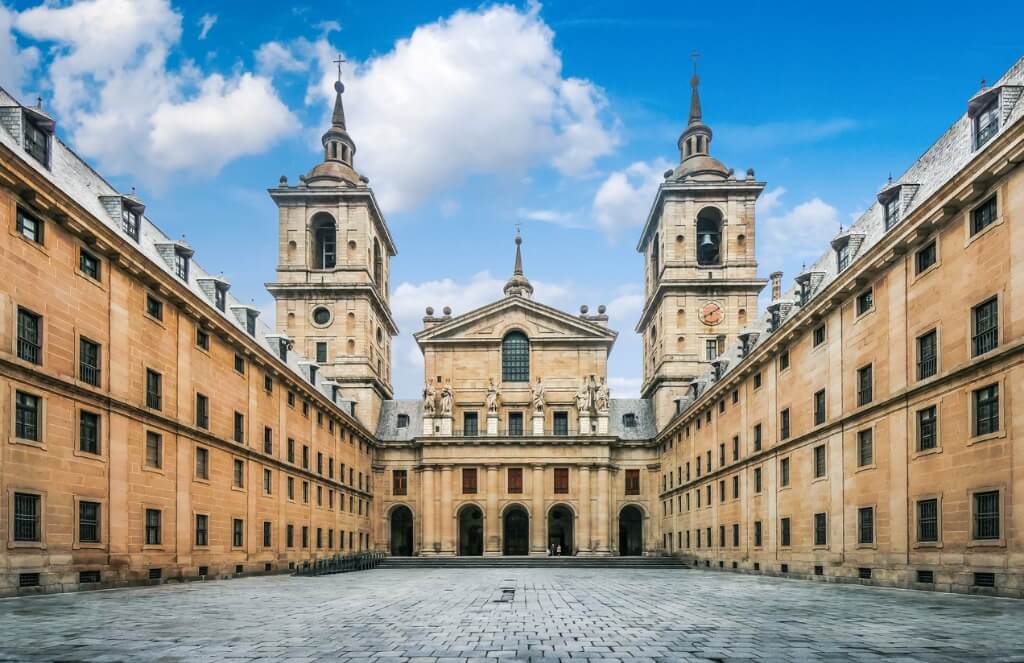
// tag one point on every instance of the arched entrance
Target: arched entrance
(516, 534)
(401, 531)
(560, 530)
(631, 531)
(471, 531)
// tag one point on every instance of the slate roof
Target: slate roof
(387, 426)
(71, 174)
(933, 169)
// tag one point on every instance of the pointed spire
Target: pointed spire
(695, 114)
(518, 285)
(338, 117)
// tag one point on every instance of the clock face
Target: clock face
(711, 313)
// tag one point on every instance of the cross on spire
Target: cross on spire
(338, 62)
(695, 55)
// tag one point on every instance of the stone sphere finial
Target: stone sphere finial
(430, 310)
(583, 309)
(283, 180)
(447, 310)
(339, 87)
(601, 309)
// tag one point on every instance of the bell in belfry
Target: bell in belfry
(706, 242)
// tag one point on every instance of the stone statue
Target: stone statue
(583, 398)
(537, 397)
(492, 398)
(447, 399)
(429, 399)
(601, 398)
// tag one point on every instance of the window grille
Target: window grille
(928, 520)
(30, 336)
(89, 362)
(927, 429)
(986, 327)
(27, 416)
(89, 522)
(986, 410)
(515, 358)
(927, 355)
(27, 517)
(986, 515)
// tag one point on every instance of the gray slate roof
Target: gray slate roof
(387, 427)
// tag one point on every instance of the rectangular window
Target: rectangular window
(721, 454)
(721, 490)
(469, 480)
(305, 492)
(153, 520)
(758, 536)
(29, 227)
(321, 352)
(239, 473)
(30, 336)
(239, 427)
(28, 517)
(721, 536)
(632, 482)
(89, 522)
(202, 463)
(865, 448)
(27, 416)
(925, 257)
(268, 440)
(154, 307)
(268, 531)
(237, 532)
(928, 520)
(154, 450)
(89, 432)
(986, 123)
(305, 536)
(203, 339)
(820, 529)
(984, 215)
(891, 208)
(515, 480)
(819, 461)
(927, 355)
(986, 515)
(736, 487)
(784, 532)
(866, 525)
(130, 220)
(819, 335)
(268, 482)
(986, 327)
(986, 410)
(181, 266)
(399, 484)
(561, 480)
(89, 362)
(154, 389)
(561, 423)
(202, 411)
(865, 301)
(291, 450)
(89, 264)
(470, 424)
(819, 407)
(864, 387)
(202, 530)
(710, 349)
(843, 257)
(757, 479)
(240, 364)
(784, 472)
(784, 360)
(268, 384)
(735, 447)
(515, 424)
(757, 380)
(37, 142)
(305, 456)
(290, 536)
(784, 424)
(927, 429)
(757, 437)
(291, 488)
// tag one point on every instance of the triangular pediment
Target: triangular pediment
(538, 321)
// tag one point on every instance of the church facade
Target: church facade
(860, 429)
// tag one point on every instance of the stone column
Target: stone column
(492, 545)
(447, 521)
(428, 537)
(583, 539)
(601, 547)
(538, 519)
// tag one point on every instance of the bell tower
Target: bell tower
(331, 292)
(701, 283)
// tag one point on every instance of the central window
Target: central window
(325, 248)
(515, 357)
(709, 237)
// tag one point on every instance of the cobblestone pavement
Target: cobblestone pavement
(458, 615)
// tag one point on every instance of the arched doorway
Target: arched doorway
(560, 530)
(516, 534)
(401, 531)
(471, 531)
(631, 531)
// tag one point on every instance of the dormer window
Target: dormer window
(282, 349)
(130, 216)
(403, 421)
(312, 374)
(220, 296)
(776, 319)
(843, 257)
(986, 122)
(629, 420)
(891, 207)
(805, 291)
(181, 265)
(37, 141)
(250, 322)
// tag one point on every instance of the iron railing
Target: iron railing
(504, 432)
(926, 367)
(339, 564)
(89, 374)
(28, 350)
(985, 341)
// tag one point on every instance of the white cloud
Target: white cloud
(15, 63)
(556, 217)
(206, 23)
(624, 387)
(774, 134)
(624, 198)
(797, 236)
(770, 200)
(479, 92)
(273, 57)
(123, 106)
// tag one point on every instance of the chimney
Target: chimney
(776, 278)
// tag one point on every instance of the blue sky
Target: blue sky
(469, 119)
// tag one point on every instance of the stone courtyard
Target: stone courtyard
(541, 615)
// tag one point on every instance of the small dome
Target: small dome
(701, 165)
